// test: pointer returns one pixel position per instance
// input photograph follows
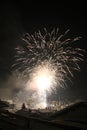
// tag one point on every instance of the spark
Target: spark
(47, 60)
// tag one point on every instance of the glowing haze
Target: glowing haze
(43, 77)
(47, 60)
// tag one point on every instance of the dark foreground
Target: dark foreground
(72, 117)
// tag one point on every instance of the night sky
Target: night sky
(19, 18)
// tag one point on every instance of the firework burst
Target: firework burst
(47, 60)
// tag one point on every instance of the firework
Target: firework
(47, 60)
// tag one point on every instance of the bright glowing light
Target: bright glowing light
(47, 60)
(43, 78)
(43, 82)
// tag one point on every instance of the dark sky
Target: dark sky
(18, 18)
